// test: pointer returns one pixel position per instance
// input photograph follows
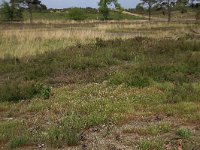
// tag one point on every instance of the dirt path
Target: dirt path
(142, 16)
(156, 18)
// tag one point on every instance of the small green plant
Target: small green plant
(100, 42)
(55, 137)
(158, 129)
(44, 90)
(67, 131)
(150, 145)
(18, 142)
(153, 130)
(138, 81)
(184, 133)
(117, 78)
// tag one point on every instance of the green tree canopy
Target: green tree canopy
(11, 11)
(104, 7)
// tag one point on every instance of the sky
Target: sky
(83, 3)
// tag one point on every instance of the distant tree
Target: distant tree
(139, 7)
(5, 12)
(42, 7)
(91, 10)
(195, 7)
(77, 14)
(31, 4)
(11, 11)
(104, 7)
(167, 4)
(119, 10)
(149, 3)
(28, 4)
(181, 5)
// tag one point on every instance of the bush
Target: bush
(183, 92)
(130, 79)
(165, 73)
(77, 14)
(138, 81)
(15, 91)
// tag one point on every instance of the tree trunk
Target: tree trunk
(30, 13)
(149, 12)
(12, 10)
(169, 11)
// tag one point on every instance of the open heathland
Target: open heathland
(100, 85)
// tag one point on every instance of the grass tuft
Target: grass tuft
(184, 133)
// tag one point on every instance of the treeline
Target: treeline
(167, 6)
(13, 10)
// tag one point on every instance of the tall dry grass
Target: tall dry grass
(31, 41)
(26, 42)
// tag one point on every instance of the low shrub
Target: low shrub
(77, 14)
(18, 142)
(182, 93)
(15, 91)
(67, 131)
(193, 62)
(100, 42)
(117, 78)
(164, 73)
(131, 79)
(137, 80)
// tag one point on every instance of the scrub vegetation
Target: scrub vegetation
(70, 86)
(99, 78)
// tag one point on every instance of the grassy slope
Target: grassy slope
(190, 14)
(89, 16)
(152, 82)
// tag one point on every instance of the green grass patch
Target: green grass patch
(150, 144)
(153, 130)
(184, 133)
(14, 91)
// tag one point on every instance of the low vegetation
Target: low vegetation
(61, 95)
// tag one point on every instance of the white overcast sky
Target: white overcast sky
(83, 3)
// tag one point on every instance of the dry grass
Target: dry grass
(141, 25)
(20, 42)
(26, 42)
